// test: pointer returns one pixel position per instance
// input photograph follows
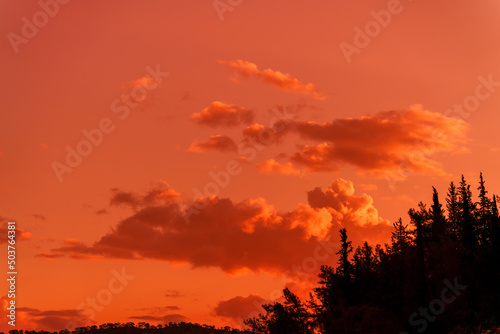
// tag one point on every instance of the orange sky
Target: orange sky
(218, 147)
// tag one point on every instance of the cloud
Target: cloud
(173, 294)
(386, 143)
(21, 234)
(237, 236)
(123, 198)
(101, 212)
(220, 143)
(271, 167)
(281, 80)
(162, 192)
(358, 214)
(163, 319)
(222, 114)
(146, 82)
(51, 320)
(160, 309)
(240, 308)
(260, 135)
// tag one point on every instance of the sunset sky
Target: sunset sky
(185, 160)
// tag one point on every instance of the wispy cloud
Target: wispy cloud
(283, 81)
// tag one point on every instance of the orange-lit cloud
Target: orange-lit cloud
(260, 135)
(240, 308)
(357, 213)
(281, 80)
(222, 114)
(383, 143)
(271, 166)
(220, 143)
(249, 234)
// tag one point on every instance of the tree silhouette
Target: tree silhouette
(290, 317)
(396, 288)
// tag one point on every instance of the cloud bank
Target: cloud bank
(235, 236)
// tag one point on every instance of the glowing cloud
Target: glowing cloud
(222, 114)
(281, 80)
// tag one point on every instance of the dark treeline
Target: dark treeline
(141, 328)
(439, 274)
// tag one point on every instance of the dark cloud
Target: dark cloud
(163, 319)
(173, 294)
(101, 212)
(162, 192)
(53, 320)
(21, 234)
(218, 142)
(240, 308)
